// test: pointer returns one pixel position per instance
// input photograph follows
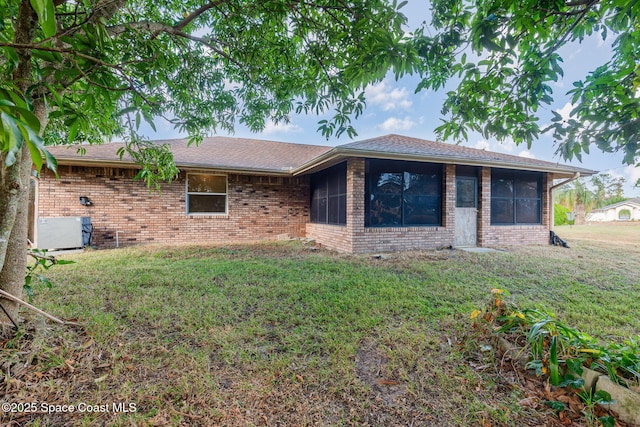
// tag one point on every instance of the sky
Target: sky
(394, 107)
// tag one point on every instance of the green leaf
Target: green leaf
(607, 421)
(554, 375)
(556, 405)
(12, 56)
(12, 137)
(36, 157)
(74, 129)
(46, 55)
(29, 118)
(46, 16)
(149, 119)
(602, 397)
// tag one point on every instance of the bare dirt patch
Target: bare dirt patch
(370, 366)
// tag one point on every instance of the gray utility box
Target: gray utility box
(62, 232)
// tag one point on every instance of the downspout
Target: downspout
(551, 203)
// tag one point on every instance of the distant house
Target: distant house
(629, 210)
(384, 194)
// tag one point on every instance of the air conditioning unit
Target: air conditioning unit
(64, 232)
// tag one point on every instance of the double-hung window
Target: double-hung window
(206, 194)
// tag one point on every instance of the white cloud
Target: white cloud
(507, 145)
(388, 97)
(633, 173)
(483, 144)
(565, 111)
(575, 53)
(394, 124)
(527, 154)
(271, 128)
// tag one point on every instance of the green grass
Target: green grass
(620, 232)
(275, 334)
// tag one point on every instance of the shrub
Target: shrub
(560, 214)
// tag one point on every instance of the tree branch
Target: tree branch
(157, 28)
(560, 42)
(193, 15)
(582, 3)
(31, 46)
(15, 299)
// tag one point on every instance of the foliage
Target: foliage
(608, 188)
(592, 398)
(600, 190)
(559, 350)
(18, 125)
(624, 214)
(105, 66)
(560, 214)
(504, 55)
(42, 261)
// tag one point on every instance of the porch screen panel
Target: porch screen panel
(329, 196)
(403, 194)
(516, 197)
(319, 201)
(385, 199)
(421, 201)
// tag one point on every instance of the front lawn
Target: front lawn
(280, 335)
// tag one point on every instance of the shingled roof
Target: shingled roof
(223, 153)
(270, 157)
(406, 148)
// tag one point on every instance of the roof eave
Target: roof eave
(340, 152)
(127, 164)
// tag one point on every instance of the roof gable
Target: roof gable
(631, 203)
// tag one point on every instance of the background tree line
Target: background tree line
(584, 195)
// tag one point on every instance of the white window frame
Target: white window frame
(225, 194)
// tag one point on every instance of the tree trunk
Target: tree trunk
(15, 262)
(14, 181)
(9, 190)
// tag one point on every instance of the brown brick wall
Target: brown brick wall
(259, 207)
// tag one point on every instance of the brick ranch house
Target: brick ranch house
(389, 193)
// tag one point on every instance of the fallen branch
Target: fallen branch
(13, 298)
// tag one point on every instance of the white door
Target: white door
(466, 233)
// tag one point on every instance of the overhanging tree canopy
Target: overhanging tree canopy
(83, 70)
(503, 92)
